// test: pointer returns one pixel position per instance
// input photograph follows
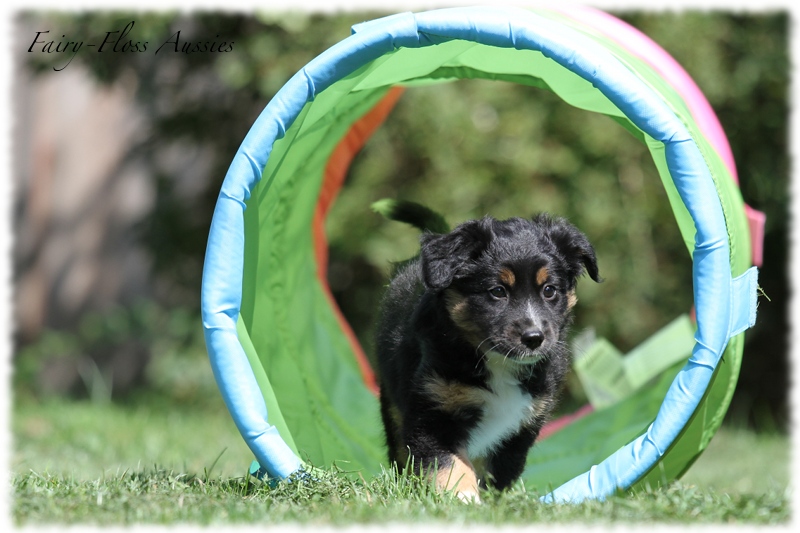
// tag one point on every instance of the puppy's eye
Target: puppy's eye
(549, 292)
(498, 292)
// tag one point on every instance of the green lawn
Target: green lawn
(84, 441)
(78, 462)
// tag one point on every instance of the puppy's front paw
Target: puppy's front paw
(469, 496)
(460, 478)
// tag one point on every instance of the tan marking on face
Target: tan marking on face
(451, 396)
(460, 477)
(458, 309)
(541, 276)
(507, 276)
(572, 299)
(456, 305)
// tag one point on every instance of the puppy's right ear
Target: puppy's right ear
(446, 257)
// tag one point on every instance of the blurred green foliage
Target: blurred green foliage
(471, 148)
(117, 352)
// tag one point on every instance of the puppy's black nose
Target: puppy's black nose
(533, 338)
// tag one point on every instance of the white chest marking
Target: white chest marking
(506, 407)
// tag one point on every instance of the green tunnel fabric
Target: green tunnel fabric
(302, 362)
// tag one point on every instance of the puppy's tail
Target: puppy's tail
(412, 213)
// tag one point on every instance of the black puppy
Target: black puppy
(471, 344)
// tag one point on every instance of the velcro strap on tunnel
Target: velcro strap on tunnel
(744, 301)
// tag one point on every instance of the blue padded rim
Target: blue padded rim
(508, 28)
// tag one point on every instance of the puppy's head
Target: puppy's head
(509, 286)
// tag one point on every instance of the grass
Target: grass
(109, 464)
(164, 497)
(87, 441)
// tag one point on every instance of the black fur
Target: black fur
(489, 299)
(411, 213)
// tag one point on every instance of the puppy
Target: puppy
(471, 345)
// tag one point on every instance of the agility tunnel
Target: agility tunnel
(288, 366)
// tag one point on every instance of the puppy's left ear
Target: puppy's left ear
(575, 247)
